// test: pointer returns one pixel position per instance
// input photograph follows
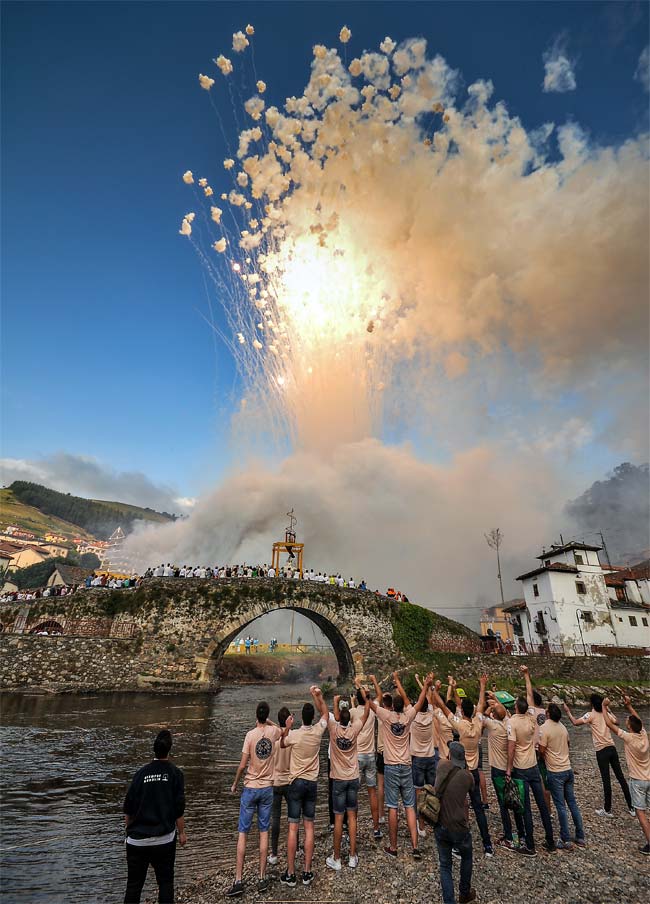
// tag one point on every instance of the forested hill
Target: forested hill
(97, 518)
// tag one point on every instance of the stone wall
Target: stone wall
(67, 663)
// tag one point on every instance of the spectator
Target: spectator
(153, 808)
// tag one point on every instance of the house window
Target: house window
(621, 594)
(535, 590)
(588, 617)
(547, 562)
(578, 558)
(645, 622)
(633, 621)
(619, 618)
(581, 587)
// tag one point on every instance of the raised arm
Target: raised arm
(495, 706)
(609, 718)
(628, 706)
(480, 709)
(400, 690)
(285, 731)
(366, 705)
(337, 711)
(417, 681)
(453, 687)
(529, 686)
(378, 691)
(574, 721)
(319, 701)
(607, 706)
(440, 703)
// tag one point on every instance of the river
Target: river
(66, 763)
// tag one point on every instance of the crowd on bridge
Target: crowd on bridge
(425, 755)
(110, 581)
(288, 573)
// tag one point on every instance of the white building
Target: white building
(573, 602)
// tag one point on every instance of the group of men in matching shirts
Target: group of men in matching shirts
(529, 749)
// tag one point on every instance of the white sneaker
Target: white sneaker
(333, 863)
(605, 813)
(353, 862)
(632, 811)
(382, 820)
(272, 859)
(421, 833)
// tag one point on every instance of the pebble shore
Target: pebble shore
(608, 871)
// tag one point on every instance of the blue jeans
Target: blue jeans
(398, 780)
(533, 782)
(479, 812)
(506, 821)
(255, 800)
(462, 841)
(560, 784)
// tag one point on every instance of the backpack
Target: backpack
(430, 800)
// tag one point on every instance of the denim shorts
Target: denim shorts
(640, 793)
(255, 800)
(301, 800)
(398, 780)
(368, 769)
(424, 770)
(345, 795)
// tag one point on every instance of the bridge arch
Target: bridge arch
(345, 646)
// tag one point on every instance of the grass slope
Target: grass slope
(13, 511)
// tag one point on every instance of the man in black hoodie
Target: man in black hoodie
(153, 809)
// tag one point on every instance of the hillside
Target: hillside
(13, 511)
(40, 510)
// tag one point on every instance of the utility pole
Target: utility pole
(602, 540)
(494, 540)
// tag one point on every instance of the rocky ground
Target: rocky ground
(609, 870)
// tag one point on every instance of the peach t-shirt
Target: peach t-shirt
(555, 737)
(470, 737)
(600, 733)
(539, 715)
(281, 765)
(497, 741)
(445, 733)
(344, 765)
(637, 753)
(305, 750)
(521, 730)
(259, 744)
(422, 739)
(366, 738)
(397, 728)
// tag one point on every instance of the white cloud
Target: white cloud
(83, 475)
(642, 73)
(558, 69)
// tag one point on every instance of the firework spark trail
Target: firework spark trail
(373, 219)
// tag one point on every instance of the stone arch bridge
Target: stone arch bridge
(173, 632)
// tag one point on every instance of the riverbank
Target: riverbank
(609, 869)
(282, 668)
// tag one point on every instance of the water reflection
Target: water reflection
(67, 761)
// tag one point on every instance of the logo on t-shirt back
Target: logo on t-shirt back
(344, 743)
(263, 749)
(541, 718)
(397, 728)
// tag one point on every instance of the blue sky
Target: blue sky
(106, 349)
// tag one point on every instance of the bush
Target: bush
(412, 628)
